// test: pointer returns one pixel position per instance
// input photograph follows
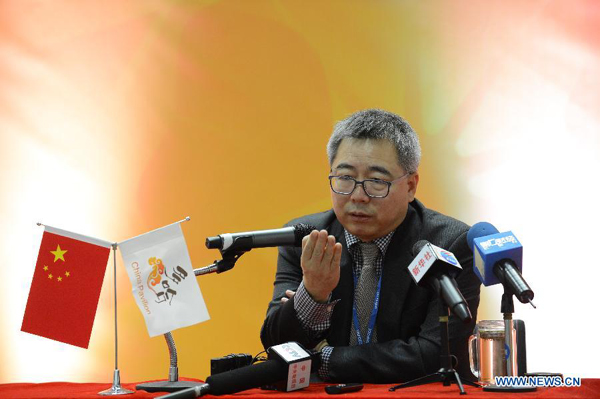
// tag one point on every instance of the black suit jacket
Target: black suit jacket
(407, 323)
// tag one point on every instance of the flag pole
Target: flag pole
(116, 388)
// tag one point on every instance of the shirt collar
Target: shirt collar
(381, 242)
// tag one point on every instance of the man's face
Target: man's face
(365, 217)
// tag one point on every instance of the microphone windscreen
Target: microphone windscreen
(480, 229)
(418, 246)
(248, 377)
(300, 231)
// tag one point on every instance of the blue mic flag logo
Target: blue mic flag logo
(449, 257)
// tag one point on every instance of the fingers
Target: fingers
(320, 263)
(337, 255)
(329, 251)
(319, 250)
(314, 247)
(320, 245)
(289, 294)
(304, 241)
(308, 243)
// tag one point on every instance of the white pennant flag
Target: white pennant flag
(164, 285)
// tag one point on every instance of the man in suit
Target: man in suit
(347, 292)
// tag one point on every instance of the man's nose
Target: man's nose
(359, 194)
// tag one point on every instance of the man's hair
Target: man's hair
(378, 124)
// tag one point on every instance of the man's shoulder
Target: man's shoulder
(320, 220)
(437, 226)
(433, 217)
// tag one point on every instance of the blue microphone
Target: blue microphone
(498, 259)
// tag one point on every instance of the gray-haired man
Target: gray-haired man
(347, 290)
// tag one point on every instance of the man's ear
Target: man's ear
(413, 182)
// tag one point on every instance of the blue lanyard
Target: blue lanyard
(371, 325)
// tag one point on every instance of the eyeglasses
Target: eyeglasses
(374, 188)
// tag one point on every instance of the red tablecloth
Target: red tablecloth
(590, 388)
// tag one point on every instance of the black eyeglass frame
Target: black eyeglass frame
(362, 183)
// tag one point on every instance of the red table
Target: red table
(590, 388)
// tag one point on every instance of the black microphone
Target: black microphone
(236, 380)
(437, 268)
(193, 392)
(498, 258)
(287, 360)
(286, 236)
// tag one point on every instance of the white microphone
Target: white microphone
(437, 267)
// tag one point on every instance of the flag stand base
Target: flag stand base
(116, 388)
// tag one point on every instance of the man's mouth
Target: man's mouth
(359, 215)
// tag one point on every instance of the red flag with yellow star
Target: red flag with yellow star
(66, 287)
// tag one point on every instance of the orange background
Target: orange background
(120, 117)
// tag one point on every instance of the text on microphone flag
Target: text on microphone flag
(488, 250)
(163, 282)
(499, 242)
(421, 263)
(427, 257)
(66, 286)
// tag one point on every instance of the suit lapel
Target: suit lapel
(396, 283)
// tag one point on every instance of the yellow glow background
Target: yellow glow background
(120, 117)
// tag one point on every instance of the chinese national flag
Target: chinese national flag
(66, 287)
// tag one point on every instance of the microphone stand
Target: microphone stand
(173, 384)
(446, 374)
(507, 307)
(223, 265)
